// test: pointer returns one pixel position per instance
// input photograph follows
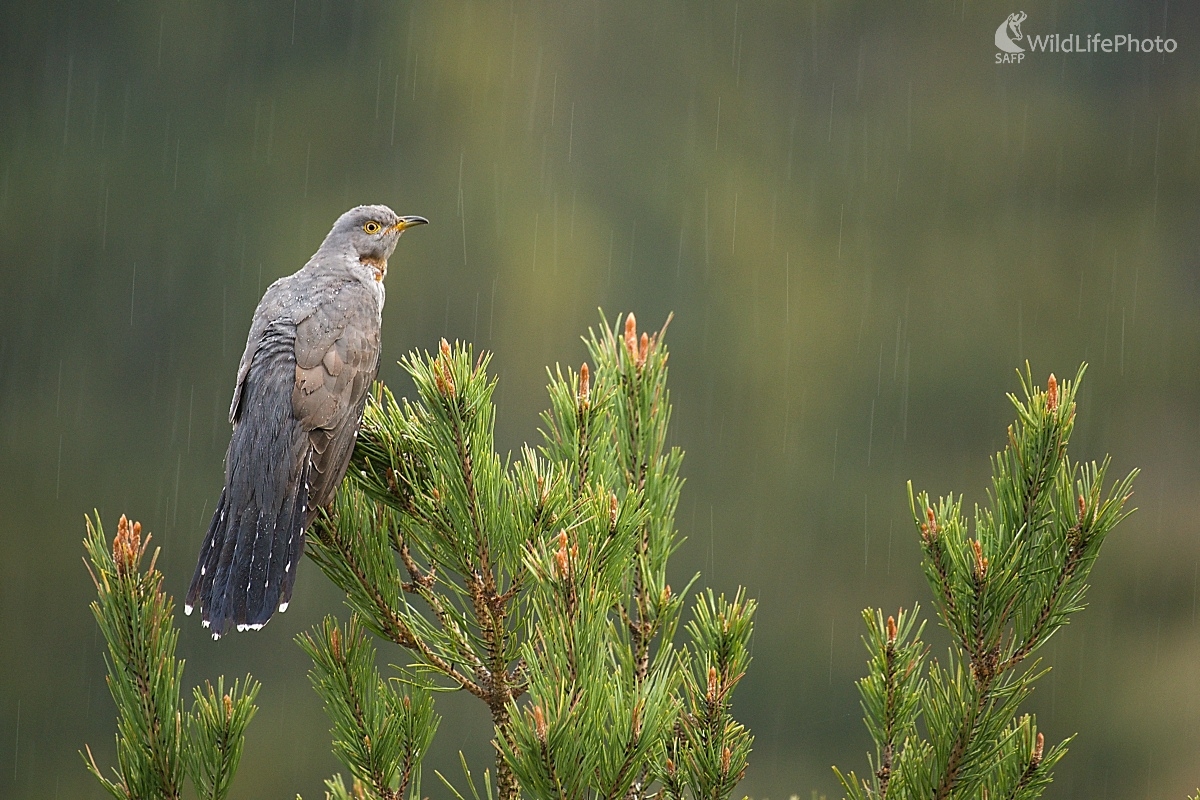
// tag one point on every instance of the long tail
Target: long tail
(239, 582)
(248, 562)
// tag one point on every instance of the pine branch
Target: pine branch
(711, 749)
(344, 556)
(216, 734)
(157, 741)
(543, 576)
(891, 691)
(135, 618)
(1001, 594)
(464, 512)
(380, 734)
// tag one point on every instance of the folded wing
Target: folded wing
(297, 408)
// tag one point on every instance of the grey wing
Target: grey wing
(337, 358)
(257, 533)
(311, 355)
(282, 304)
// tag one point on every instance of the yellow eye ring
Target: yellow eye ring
(372, 227)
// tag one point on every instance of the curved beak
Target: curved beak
(409, 222)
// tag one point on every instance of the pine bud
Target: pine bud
(612, 512)
(631, 336)
(335, 644)
(929, 528)
(127, 546)
(712, 685)
(981, 563)
(584, 387)
(1052, 393)
(1038, 747)
(670, 767)
(891, 630)
(562, 561)
(726, 756)
(1082, 509)
(637, 720)
(442, 375)
(539, 723)
(227, 701)
(643, 350)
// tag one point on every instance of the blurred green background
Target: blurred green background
(862, 223)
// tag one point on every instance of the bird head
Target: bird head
(368, 234)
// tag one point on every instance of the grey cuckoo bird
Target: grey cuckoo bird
(310, 358)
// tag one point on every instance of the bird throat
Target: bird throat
(376, 263)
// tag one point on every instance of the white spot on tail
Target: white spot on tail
(187, 609)
(283, 607)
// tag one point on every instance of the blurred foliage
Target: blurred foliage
(860, 221)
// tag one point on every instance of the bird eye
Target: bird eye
(372, 227)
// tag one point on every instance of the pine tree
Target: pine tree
(952, 730)
(539, 585)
